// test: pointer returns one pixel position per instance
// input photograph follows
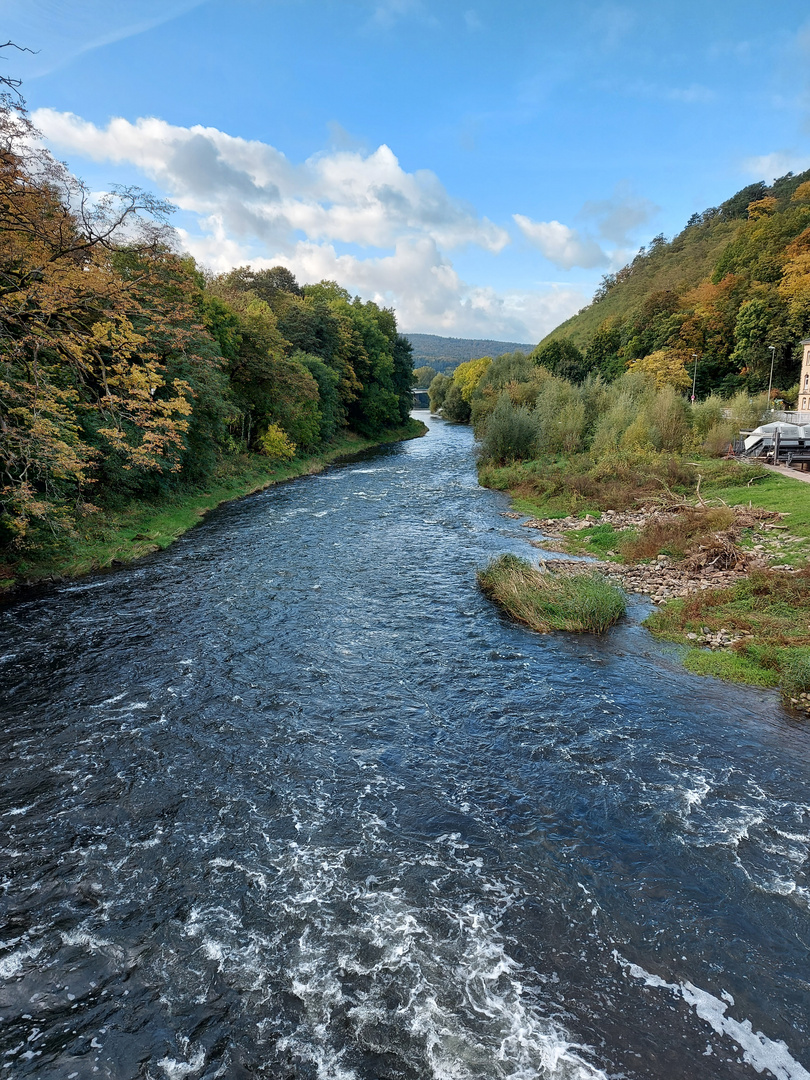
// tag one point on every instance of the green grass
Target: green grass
(121, 536)
(553, 600)
(771, 608)
(598, 540)
(730, 666)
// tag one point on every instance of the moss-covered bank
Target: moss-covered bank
(115, 537)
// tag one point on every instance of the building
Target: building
(803, 404)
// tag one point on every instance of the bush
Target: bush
(456, 408)
(276, 444)
(561, 414)
(720, 437)
(437, 391)
(511, 433)
(582, 602)
(707, 414)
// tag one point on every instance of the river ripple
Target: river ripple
(291, 799)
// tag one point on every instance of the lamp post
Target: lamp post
(694, 376)
(770, 380)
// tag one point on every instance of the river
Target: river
(292, 800)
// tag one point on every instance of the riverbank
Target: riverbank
(115, 537)
(720, 548)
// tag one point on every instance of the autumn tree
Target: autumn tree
(82, 344)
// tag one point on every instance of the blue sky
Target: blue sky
(476, 165)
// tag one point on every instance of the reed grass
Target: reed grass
(546, 600)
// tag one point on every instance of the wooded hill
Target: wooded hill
(127, 373)
(734, 281)
(445, 353)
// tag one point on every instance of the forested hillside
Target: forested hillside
(445, 353)
(127, 373)
(735, 281)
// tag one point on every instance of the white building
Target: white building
(803, 404)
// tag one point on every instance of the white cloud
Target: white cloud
(342, 196)
(561, 244)
(416, 279)
(245, 202)
(769, 166)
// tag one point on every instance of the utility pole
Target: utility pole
(770, 381)
(694, 376)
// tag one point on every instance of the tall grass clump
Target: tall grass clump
(582, 602)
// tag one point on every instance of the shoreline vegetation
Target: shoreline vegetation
(138, 389)
(553, 598)
(627, 471)
(727, 568)
(125, 535)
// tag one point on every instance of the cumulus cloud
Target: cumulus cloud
(562, 245)
(244, 201)
(416, 278)
(342, 195)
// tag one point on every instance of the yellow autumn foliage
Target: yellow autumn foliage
(667, 367)
(468, 375)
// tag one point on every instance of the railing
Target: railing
(787, 417)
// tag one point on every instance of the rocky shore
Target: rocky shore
(719, 564)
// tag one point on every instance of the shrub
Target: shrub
(674, 534)
(456, 408)
(511, 433)
(561, 414)
(437, 391)
(720, 437)
(795, 673)
(668, 417)
(276, 444)
(708, 414)
(582, 602)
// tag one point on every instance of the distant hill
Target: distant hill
(446, 353)
(732, 283)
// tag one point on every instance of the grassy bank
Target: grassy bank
(764, 618)
(551, 600)
(767, 618)
(701, 495)
(110, 538)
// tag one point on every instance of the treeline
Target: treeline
(445, 353)
(713, 300)
(128, 373)
(521, 411)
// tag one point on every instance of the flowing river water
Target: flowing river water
(292, 800)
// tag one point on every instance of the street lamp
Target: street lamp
(770, 381)
(694, 376)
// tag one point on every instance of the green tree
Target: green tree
(562, 358)
(423, 376)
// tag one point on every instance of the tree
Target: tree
(467, 376)
(562, 358)
(423, 376)
(456, 408)
(667, 367)
(86, 335)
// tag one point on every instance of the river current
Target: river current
(292, 800)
